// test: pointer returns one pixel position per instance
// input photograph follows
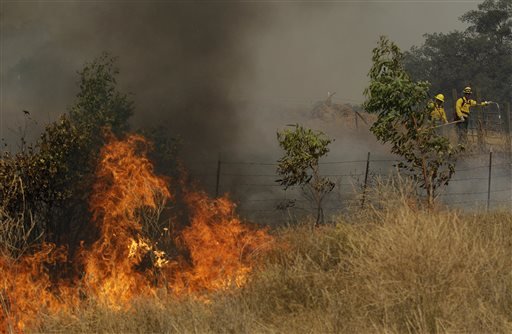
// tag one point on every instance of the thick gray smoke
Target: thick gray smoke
(181, 60)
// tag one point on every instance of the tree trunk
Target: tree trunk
(319, 214)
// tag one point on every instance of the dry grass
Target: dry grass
(17, 231)
(391, 268)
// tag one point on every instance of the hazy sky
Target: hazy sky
(198, 67)
(312, 49)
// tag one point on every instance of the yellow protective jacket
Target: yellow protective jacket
(437, 113)
(462, 107)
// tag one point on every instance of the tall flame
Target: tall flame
(217, 249)
(125, 183)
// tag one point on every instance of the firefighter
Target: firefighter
(462, 109)
(438, 115)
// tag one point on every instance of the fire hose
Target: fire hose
(461, 120)
(450, 123)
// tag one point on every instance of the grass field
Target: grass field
(390, 268)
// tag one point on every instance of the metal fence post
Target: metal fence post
(365, 178)
(480, 124)
(489, 184)
(508, 140)
(506, 127)
(452, 129)
(217, 183)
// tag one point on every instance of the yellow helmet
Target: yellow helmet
(467, 90)
(440, 97)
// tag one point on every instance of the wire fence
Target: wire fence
(481, 181)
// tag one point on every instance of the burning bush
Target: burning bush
(81, 219)
(216, 249)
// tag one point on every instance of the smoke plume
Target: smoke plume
(181, 61)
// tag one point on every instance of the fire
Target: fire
(216, 249)
(26, 287)
(125, 183)
(220, 246)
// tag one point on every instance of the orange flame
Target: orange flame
(219, 248)
(26, 288)
(125, 183)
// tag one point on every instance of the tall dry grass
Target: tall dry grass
(18, 231)
(393, 267)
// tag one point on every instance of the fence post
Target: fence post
(508, 140)
(217, 183)
(506, 127)
(489, 184)
(454, 96)
(450, 130)
(479, 123)
(365, 179)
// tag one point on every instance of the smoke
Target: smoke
(208, 71)
(181, 61)
(222, 76)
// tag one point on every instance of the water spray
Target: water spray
(497, 106)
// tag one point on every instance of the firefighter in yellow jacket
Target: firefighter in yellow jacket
(462, 110)
(438, 114)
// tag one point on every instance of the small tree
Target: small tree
(99, 102)
(299, 165)
(48, 182)
(401, 105)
